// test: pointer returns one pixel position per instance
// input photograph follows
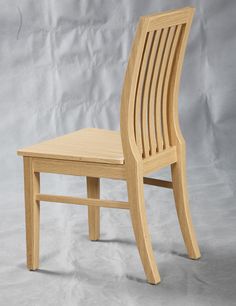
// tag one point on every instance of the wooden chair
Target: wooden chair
(150, 139)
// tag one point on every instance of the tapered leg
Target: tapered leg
(32, 214)
(178, 171)
(93, 191)
(140, 226)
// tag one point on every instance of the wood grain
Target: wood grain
(150, 139)
(89, 145)
(32, 214)
(93, 191)
(173, 30)
(81, 201)
(157, 182)
(68, 167)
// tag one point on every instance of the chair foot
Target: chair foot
(32, 269)
(178, 171)
(93, 191)
(140, 227)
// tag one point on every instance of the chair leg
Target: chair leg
(178, 171)
(32, 214)
(93, 191)
(140, 227)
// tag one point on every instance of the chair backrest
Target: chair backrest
(149, 110)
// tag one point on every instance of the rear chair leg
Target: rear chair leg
(32, 214)
(178, 171)
(140, 227)
(93, 191)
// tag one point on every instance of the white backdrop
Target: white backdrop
(62, 65)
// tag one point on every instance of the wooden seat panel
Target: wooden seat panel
(88, 145)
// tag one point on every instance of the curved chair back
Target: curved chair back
(149, 110)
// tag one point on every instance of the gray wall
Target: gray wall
(61, 69)
(62, 65)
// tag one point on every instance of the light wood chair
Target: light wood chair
(150, 139)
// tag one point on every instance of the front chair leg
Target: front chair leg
(178, 171)
(140, 226)
(32, 214)
(93, 191)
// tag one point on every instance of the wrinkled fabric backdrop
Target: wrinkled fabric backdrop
(62, 65)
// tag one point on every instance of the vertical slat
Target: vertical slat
(145, 94)
(153, 100)
(166, 84)
(159, 93)
(137, 103)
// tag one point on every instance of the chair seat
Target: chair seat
(88, 145)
